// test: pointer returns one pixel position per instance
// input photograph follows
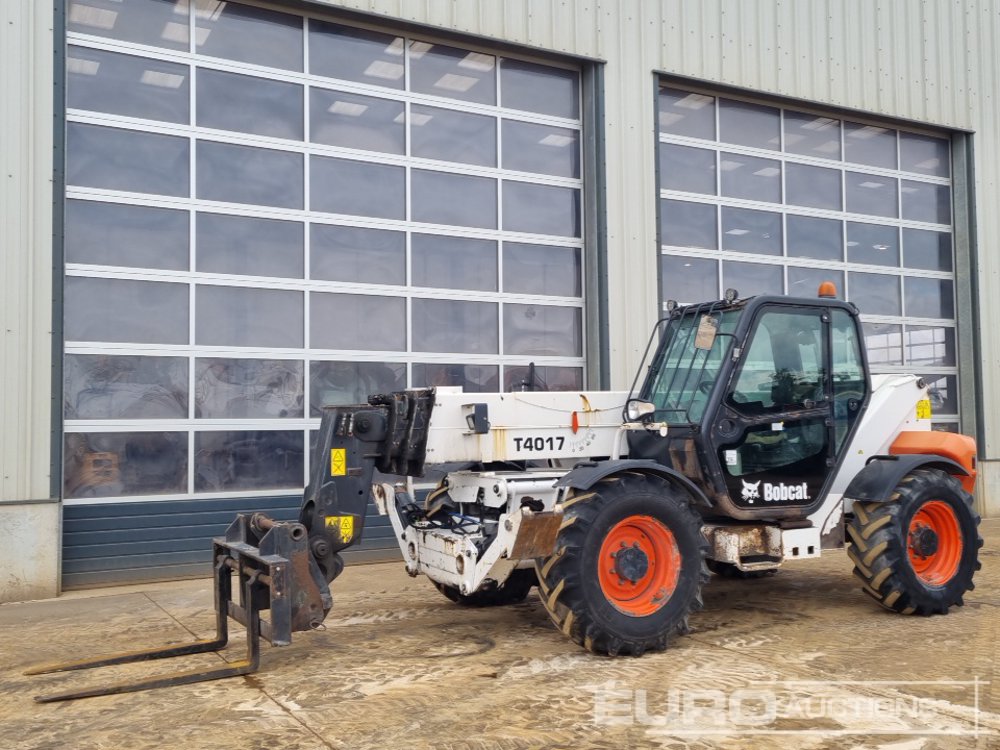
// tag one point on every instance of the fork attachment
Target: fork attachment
(287, 567)
(275, 572)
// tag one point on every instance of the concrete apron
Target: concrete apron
(400, 666)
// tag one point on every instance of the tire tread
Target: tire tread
(558, 576)
(879, 544)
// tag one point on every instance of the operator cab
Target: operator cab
(758, 398)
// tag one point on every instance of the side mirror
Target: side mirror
(636, 409)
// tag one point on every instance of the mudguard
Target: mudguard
(876, 482)
(585, 475)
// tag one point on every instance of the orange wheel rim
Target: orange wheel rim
(639, 565)
(934, 543)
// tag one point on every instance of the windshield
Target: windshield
(686, 365)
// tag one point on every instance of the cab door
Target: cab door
(778, 443)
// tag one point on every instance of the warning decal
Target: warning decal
(924, 409)
(345, 524)
(338, 462)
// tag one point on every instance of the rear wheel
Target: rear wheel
(917, 553)
(628, 566)
(515, 589)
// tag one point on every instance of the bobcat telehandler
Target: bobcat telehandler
(754, 435)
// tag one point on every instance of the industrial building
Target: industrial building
(218, 216)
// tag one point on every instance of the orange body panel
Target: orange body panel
(959, 448)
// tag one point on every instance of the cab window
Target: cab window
(684, 374)
(849, 383)
(782, 369)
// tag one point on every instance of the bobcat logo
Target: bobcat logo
(751, 492)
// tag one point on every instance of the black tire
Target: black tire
(570, 584)
(728, 570)
(882, 544)
(515, 589)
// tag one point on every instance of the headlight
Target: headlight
(636, 409)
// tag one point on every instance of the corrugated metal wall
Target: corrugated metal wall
(29, 555)
(932, 61)
(25, 248)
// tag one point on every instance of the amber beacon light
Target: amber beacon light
(827, 290)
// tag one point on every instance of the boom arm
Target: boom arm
(393, 434)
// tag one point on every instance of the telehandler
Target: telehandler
(753, 435)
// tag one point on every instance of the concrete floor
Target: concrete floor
(797, 660)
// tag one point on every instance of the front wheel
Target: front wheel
(628, 566)
(917, 553)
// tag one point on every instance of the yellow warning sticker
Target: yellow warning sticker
(338, 462)
(924, 409)
(345, 525)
